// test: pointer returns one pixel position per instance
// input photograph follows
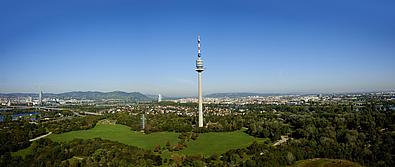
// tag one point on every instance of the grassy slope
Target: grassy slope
(324, 162)
(120, 133)
(22, 152)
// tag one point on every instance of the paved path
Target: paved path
(39, 137)
(282, 140)
(92, 113)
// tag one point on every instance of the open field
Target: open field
(206, 144)
(217, 142)
(120, 133)
(324, 162)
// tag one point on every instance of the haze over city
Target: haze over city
(150, 46)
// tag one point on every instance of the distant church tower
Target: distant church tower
(200, 69)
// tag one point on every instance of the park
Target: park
(206, 144)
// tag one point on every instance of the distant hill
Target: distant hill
(240, 94)
(18, 95)
(155, 97)
(94, 95)
(105, 95)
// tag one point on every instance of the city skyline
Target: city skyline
(149, 47)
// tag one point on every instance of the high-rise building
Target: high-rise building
(40, 98)
(159, 97)
(200, 69)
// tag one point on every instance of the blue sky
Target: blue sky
(274, 46)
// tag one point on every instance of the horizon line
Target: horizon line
(230, 92)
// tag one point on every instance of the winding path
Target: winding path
(39, 137)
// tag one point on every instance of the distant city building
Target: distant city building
(9, 103)
(159, 97)
(40, 98)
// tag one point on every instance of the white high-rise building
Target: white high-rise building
(159, 97)
(40, 98)
(200, 69)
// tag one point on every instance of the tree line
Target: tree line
(78, 152)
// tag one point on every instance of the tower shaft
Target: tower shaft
(200, 100)
(200, 69)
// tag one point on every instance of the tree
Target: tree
(290, 158)
(168, 145)
(157, 148)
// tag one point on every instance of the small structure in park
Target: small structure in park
(143, 122)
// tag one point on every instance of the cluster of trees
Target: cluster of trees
(186, 136)
(168, 122)
(299, 149)
(56, 115)
(93, 152)
(366, 136)
(87, 108)
(177, 123)
(15, 135)
(225, 123)
(272, 129)
(181, 144)
(154, 123)
(125, 118)
(176, 147)
(77, 123)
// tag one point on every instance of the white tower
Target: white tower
(200, 69)
(159, 97)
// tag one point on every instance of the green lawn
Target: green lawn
(206, 144)
(22, 152)
(120, 133)
(217, 142)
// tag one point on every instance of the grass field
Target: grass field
(22, 152)
(217, 142)
(120, 133)
(206, 144)
(324, 162)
